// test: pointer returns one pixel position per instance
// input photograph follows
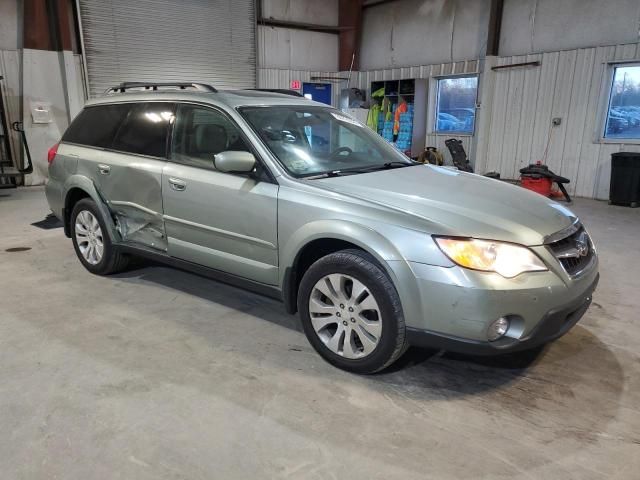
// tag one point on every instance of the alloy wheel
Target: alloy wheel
(345, 316)
(89, 237)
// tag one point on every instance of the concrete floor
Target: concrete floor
(159, 374)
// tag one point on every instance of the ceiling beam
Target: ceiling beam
(36, 28)
(375, 3)
(310, 27)
(495, 27)
(46, 25)
(350, 24)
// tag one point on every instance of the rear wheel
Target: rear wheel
(351, 312)
(91, 242)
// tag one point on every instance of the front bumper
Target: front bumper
(554, 323)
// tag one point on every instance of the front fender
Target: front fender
(364, 237)
(85, 184)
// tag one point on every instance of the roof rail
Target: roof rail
(124, 86)
(284, 91)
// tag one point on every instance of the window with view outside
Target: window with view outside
(456, 105)
(623, 115)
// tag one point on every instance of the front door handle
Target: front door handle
(104, 169)
(177, 184)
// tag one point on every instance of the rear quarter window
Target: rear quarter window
(145, 129)
(96, 126)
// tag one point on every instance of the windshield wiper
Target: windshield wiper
(398, 164)
(333, 173)
(371, 168)
(384, 166)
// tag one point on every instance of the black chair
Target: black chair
(458, 155)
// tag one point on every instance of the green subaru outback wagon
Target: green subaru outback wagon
(299, 201)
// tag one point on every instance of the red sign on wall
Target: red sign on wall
(295, 85)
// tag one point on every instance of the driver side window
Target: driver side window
(325, 138)
(348, 138)
(200, 133)
(319, 138)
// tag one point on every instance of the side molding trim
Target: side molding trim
(219, 231)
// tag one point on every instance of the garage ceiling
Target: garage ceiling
(210, 41)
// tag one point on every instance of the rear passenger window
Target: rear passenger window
(145, 130)
(96, 126)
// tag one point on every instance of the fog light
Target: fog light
(497, 329)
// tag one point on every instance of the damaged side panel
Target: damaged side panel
(138, 226)
(131, 187)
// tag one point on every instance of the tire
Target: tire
(84, 236)
(358, 303)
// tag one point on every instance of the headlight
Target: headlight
(507, 259)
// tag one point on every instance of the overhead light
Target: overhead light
(153, 116)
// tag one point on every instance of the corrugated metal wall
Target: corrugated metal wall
(363, 80)
(210, 41)
(569, 85)
(281, 78)
(420, 32)
(284, 48)
(538, 26)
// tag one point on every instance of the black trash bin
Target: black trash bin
(625, 179)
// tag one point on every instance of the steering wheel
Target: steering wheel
(338, 151)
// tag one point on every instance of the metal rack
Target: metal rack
(154, 86)
(8, 174)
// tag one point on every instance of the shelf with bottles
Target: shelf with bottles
(406, 128)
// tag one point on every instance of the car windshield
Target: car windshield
(311, 141)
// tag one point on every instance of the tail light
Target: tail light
(51, 154)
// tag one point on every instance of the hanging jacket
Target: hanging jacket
(386, 109)
(402, 108)
(378, 93)
(372, 117)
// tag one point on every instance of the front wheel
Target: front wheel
(351, 312)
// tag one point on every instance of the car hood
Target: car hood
(456, 203)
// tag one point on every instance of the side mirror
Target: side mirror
(234, 162)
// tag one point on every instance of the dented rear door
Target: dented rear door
(128, 174)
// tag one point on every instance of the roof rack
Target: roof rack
(283, 91)
(124, 86)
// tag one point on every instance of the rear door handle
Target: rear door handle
(177, 184)
(104, 169)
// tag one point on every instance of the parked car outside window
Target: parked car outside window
(623, 114)
(455, 104)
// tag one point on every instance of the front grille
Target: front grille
(574, 252)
